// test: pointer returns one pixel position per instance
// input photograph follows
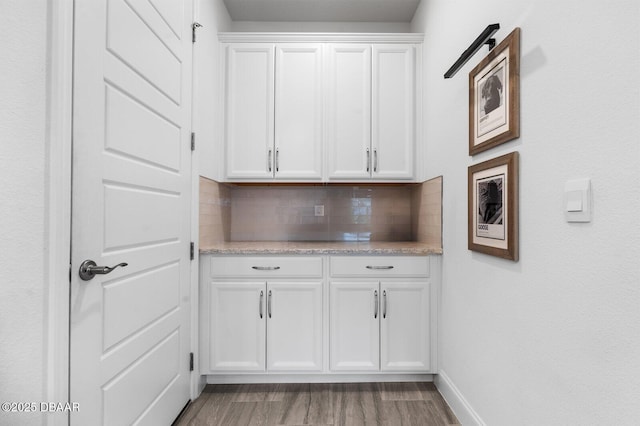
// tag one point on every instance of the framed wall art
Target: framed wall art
(494, 96)
(493, 207)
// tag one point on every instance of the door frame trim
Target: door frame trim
(58, 201)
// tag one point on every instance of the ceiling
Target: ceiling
(322, 10)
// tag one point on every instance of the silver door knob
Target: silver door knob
(89, 269)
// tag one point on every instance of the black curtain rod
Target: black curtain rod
(483, 38)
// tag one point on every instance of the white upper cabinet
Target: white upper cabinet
(340, 109)
(371, 111)
(298, 117)
(249, 111)
(349, 111)
(393, 111)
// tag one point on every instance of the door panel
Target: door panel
(349, 111)
(298, 115)
(249, 111)
(238, 330)
(130, 332)
(404, 326)
(131, 38)
(135, 130)
(123, 298)
(393, 111)
(354, 326)
(294, 326)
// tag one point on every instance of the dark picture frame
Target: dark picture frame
(494, 96)
(493, 207)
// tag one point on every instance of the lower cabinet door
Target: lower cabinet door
(294, 326)
(354, 311)
(404, 326)
(237, 315)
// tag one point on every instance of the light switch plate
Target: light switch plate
(577, 200)
(319, 210)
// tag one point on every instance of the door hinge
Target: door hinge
(191, 361)
(193, 141)
(194, 26)
(192, 251)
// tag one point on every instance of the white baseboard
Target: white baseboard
(315, 378)
(458, 404)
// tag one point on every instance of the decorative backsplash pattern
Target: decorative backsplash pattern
(374, 212)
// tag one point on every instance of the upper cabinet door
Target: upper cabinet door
(249, 111)
(298, 122)
(348, 76)
(393, 111)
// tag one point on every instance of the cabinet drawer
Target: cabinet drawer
(266, 266)
(379, 266)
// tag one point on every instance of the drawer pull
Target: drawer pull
(377, 268)
(265, 268)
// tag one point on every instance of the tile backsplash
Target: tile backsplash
(371, 212)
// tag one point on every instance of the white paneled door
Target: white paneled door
(129, 355)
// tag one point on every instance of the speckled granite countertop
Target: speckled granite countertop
(293, 247)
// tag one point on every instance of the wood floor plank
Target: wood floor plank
(259, 392)
(430, 393)
(357, 404)
(251, 414)
(194, 409)
(410, 413)
(400, 392)
(307, 404)
(213, 411)
(320, 404)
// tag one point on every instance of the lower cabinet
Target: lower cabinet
(380, 326)
(258, 326)
(317, 314)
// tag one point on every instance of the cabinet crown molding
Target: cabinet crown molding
(275, 37)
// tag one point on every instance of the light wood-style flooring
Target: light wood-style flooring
(392, 404)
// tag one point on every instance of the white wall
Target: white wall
(555, 338)
(23, 212)
(321, 27)
(207, 96)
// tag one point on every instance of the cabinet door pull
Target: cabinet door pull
(261, 298)
(375, 304)
(269, 304)
(377, 268)
(277, 159)
(368, 160)
(269, 162)
(384, 304)
(375, 160)
(265, 268)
